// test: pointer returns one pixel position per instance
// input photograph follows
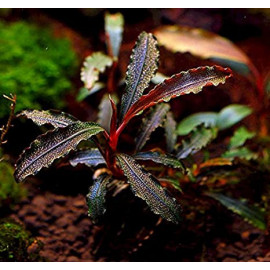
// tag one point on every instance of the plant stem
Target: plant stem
(6, 127)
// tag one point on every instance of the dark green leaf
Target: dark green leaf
(114, 26)
(96, 197)
(156, 157)
(143, 66)
(250, 214)
(54, 118)
(199, 139)
(170, 132)
(231, 115)
(188, 124)
(240, 136)
(145, 186)
(91, 158)
(150, 123)
(52, 145)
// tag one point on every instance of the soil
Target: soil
(61, 223)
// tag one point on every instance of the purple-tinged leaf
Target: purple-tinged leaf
(143, 66)
(150, 123)
(105, 112)
(96, 197)
(157, 157)
(52, 145)
(170, 132)
(186, 82)
(54, 118)
(91, 158)
(145, 186)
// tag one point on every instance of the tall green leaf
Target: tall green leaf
(156, 157)
(92, 66)
(209, 119)
(54, 118)
(151, 123)
(199, 139)
(91, 158)
(114, 26)
(96, 197)
(145, 186)
(231, 115)
(250, 214)
(186, 82)
(227, 117)
(143, 66)
(52, 145)
(170, 132)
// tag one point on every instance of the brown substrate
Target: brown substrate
(130, 232)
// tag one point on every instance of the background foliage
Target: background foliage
(34, 65)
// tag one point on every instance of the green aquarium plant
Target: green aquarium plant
(35, 65)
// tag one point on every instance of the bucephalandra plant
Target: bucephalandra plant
(68, 132)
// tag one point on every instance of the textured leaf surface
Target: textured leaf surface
(250, 214)
(189, 123)
(186, 82)
(143, 66)
(91, 158)
(145, 186)
(240, 136)
(203, 44)
(156, 157)
(170, 132)
(199, 139)
(114, 26)
(92, 66)
(150, 124)
(231, 115)
(52, 145)
(56, 119)
(96, 197)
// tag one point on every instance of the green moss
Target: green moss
(10, 191)
(35, 66)
(16, 244)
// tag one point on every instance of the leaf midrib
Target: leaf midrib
(55, 146)
(129, 102)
